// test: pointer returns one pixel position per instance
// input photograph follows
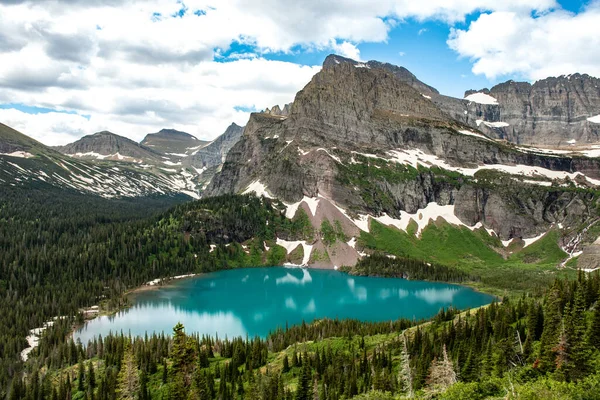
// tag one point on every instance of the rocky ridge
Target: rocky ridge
(364, 142)
(179, 160)
(109, 146)
(557, 111)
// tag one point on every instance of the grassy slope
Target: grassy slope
(473, 252)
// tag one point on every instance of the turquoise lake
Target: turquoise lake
(255, 301)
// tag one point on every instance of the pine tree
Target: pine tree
(165, 372)
(128, 379)
(441, 373)
(143, 394)
(286, 364)
(80, 376)
(579, 347)
(552, 328)
(91, 376)
(563, 354)
(304, 390)
(593, 334)
(183, 354)
(405, 375)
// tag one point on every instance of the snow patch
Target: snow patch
(302, 152)
(532, 240)
(259, 189)
(481, 98)
(311, 202)
(595, 119)
(336, 158)
(352, 243)
(422, 217)
(18, 154)
(291, 245)
(416, 157)
(471, 133)
(496, 124)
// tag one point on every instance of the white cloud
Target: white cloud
(134, 68)
(347, 49)
(138, 99)
(552, 44)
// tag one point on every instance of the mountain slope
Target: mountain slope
(361, 144)
(109, 146)
(27, 162)
(16, 144)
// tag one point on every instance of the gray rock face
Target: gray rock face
(278, 112)
(214, 153)
(171, 141)
(107, 143)
(352, 107)
(399, 72)
(552, 111)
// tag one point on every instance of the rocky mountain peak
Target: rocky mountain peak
(399, 72)
(173, 133)
(276, 111)
(105, 144)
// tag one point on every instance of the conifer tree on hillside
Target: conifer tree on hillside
(552, 329)
(128, 379)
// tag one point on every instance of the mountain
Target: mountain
(399, 72)
(172, 142)
(213, 153)
(553, 111)
(365, 148)
(109, 146)
(25, 162)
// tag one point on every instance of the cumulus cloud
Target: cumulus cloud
(535, 47)
(137, 66)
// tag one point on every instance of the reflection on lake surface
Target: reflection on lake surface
(256, 301)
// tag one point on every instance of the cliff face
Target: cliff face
(552, 111)
(213, 153)
(368, 141)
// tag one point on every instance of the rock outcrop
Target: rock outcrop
(552, 111)
(213, 153)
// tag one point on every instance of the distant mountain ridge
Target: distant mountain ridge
(108, 145)
(552, 111)
(171, 141)
(213, 153)
(110, 165)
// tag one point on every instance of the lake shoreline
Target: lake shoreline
(168, 282)
(291, 277)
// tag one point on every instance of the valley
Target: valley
(369, 176)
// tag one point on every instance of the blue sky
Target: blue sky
(137, 66)
(419, 46)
